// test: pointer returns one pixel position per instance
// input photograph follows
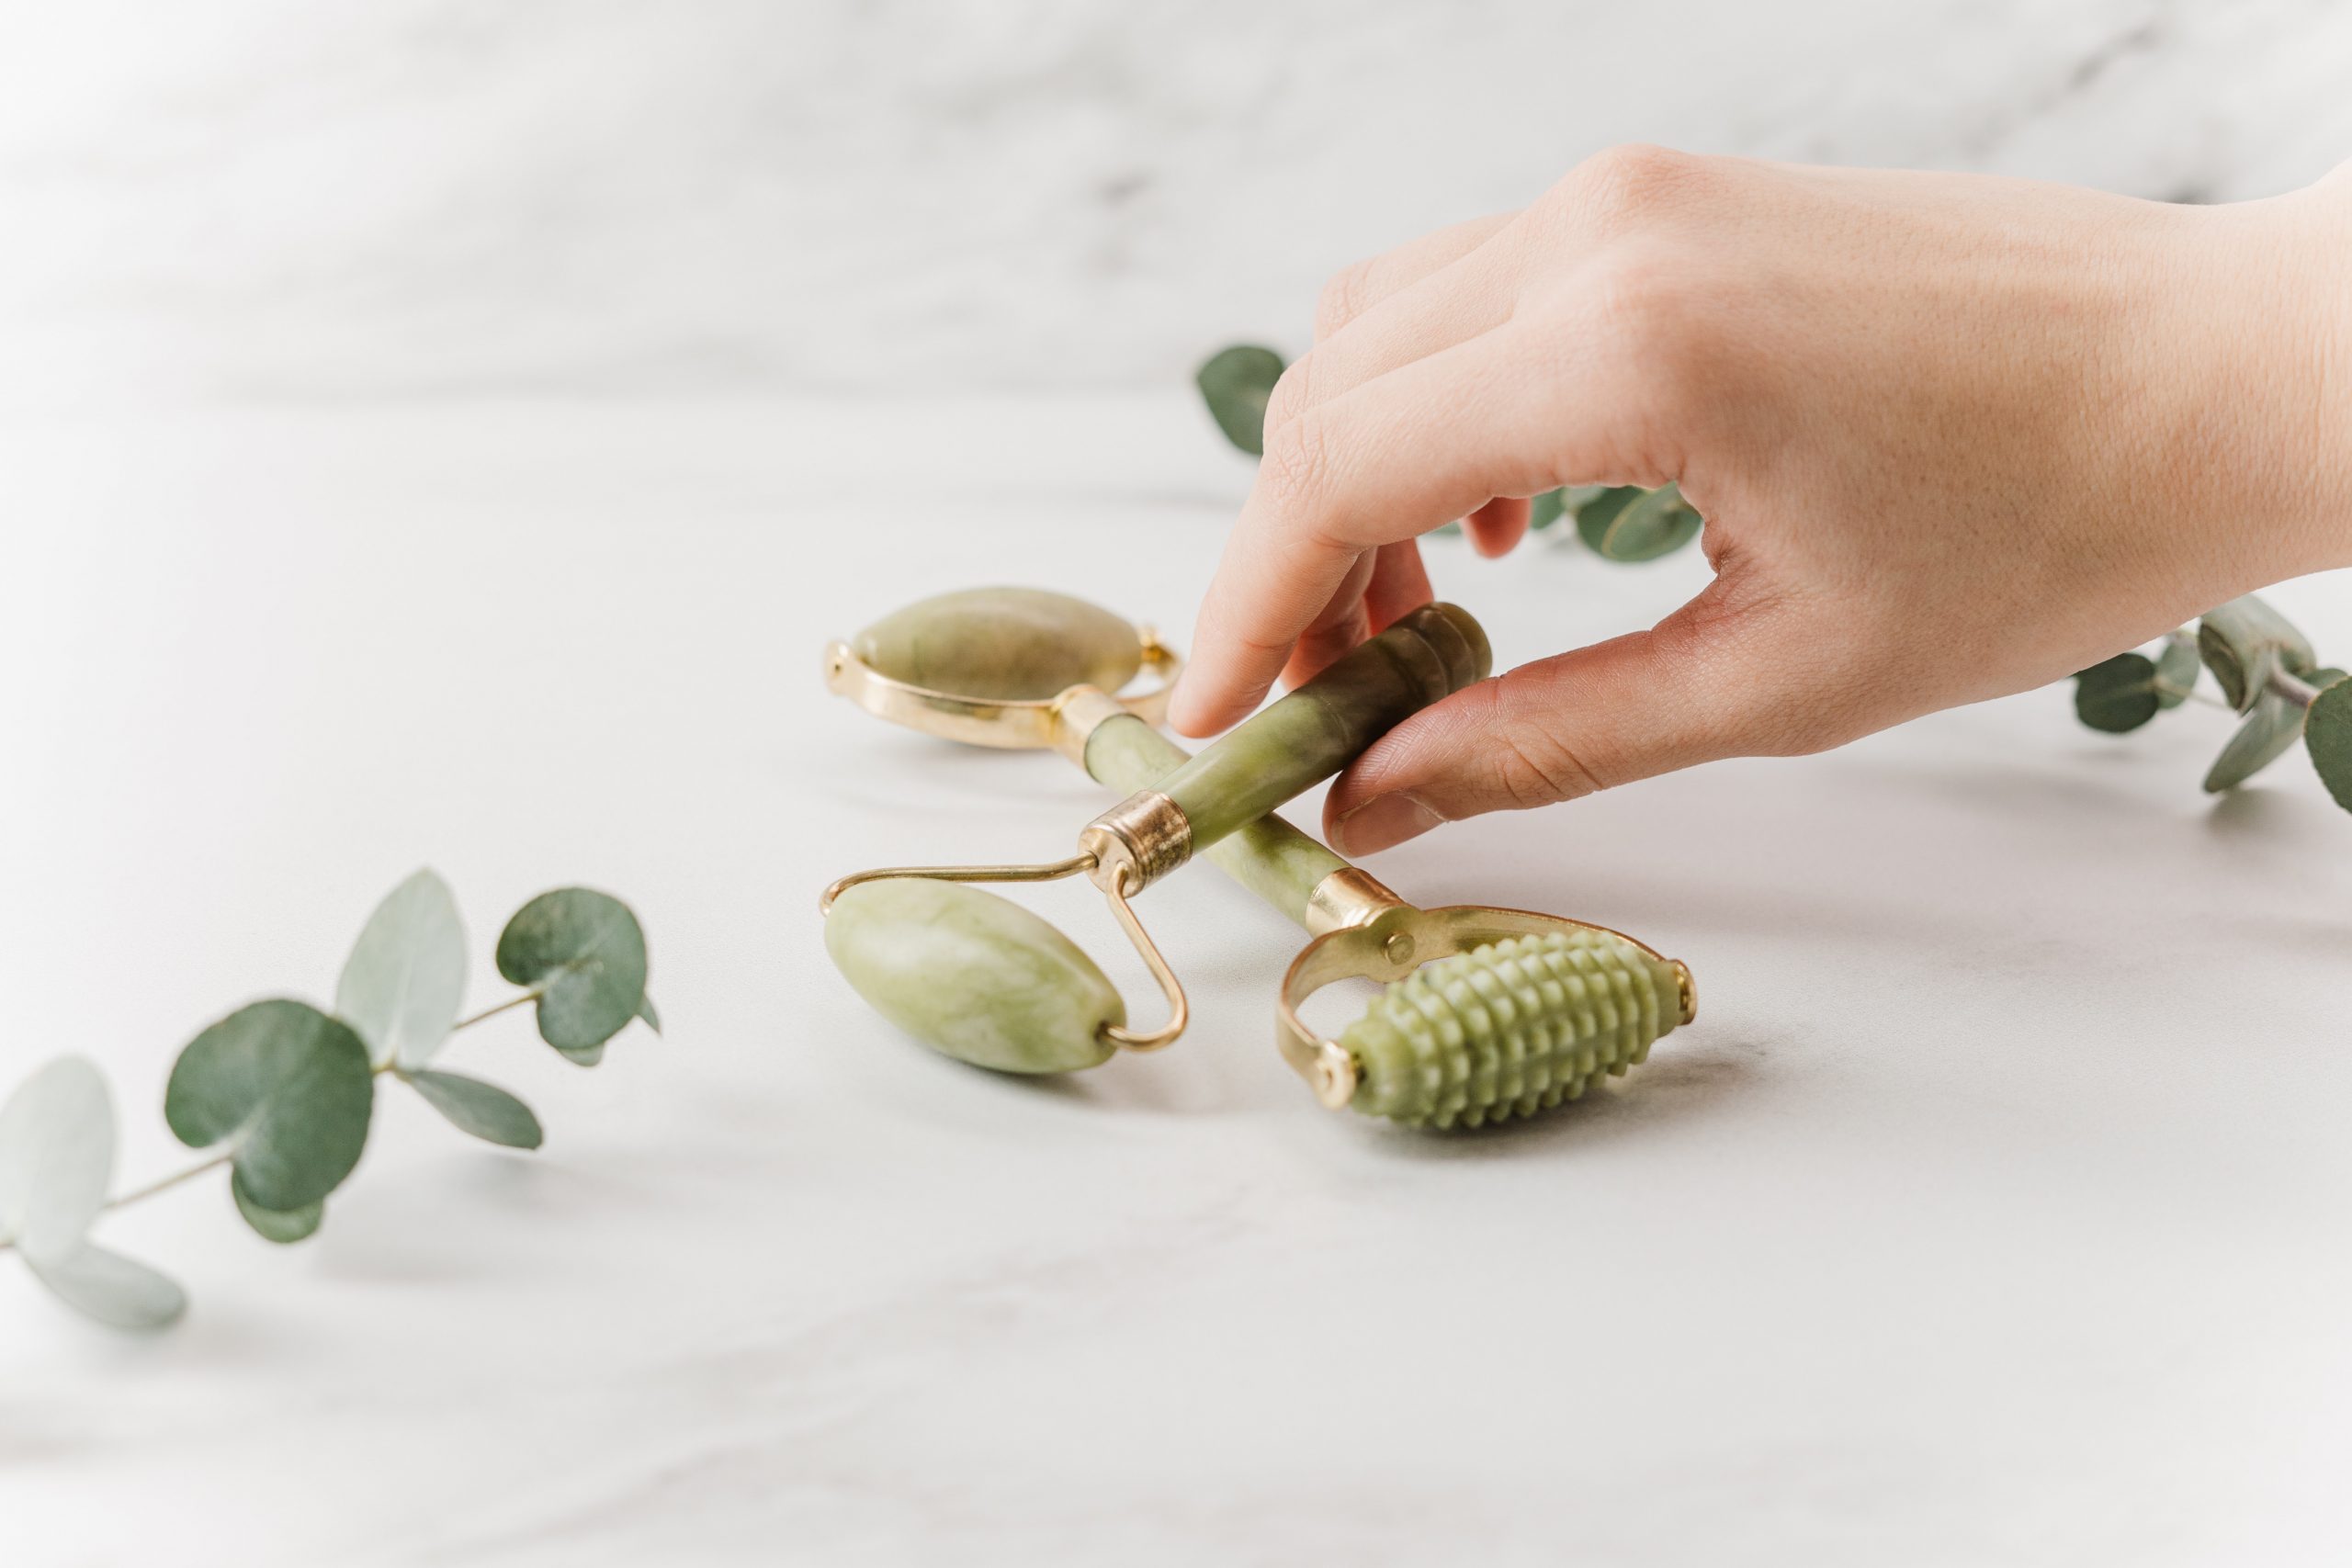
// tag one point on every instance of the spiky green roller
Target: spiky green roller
(1509, 1029)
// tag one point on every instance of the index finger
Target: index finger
(1388, 461)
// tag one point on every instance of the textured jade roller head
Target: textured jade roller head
(1485, 1014)
(981, 978)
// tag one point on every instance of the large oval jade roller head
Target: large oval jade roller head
(980, 977)
(1486, 1013)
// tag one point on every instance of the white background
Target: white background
(446, 435)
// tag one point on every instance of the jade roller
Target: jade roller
(1486, 1013)
(983, 979)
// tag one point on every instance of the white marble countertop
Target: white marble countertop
(1991, 1211)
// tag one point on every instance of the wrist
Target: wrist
(2288, 307)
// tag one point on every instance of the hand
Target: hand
(1953, 436)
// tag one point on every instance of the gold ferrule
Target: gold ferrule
(1137, 841)
(1348, 896)
(1078, 712)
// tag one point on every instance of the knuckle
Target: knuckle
(1343, 299)
(1297, 463)
(1289, 397)
(1533, 765)
(1620, 186)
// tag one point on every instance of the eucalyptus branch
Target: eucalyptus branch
(2267, 672)
(282, 1092)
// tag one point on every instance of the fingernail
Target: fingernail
(1382, 821)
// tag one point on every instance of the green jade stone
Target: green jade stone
(973, 976)
(1002, 645)
(1313, 732)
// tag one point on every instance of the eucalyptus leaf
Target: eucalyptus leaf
(2176, 670)
(1643, 526)
(646, 1014)
(485, 1109)
(2116, 694)
(405, 981)
(583, 954)
(111, 1288)
(2243, 641)
(2328, 736)
(1545, 510)
(56, 1157)
(1237, 382)
(282, 1226)
(288, 1088)
(2269, 730)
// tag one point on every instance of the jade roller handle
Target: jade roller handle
(1310, 734)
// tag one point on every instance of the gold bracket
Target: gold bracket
(981, 721)
(1366, 933)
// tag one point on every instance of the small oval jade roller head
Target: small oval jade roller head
(1486, 1013)
(983, 979)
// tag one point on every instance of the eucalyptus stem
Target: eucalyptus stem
(168, 1182)
(2194, 695)
(514, 1001)
(2292, 687)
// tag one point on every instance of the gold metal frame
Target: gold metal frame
(981, 721)
(1364, 931)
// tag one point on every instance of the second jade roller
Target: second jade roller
(983, 980)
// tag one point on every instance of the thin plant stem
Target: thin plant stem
(172, 1180)
(514, 1001)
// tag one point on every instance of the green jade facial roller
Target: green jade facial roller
(1486, 1013)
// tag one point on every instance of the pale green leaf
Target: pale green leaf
(1236, 382)
(56, 1157)
(2269, 730)
(646, 1015)
(2243, 641)
(405, 981)
(288, 1088)
(1545, 510)
(485, 1109)
(111, 1288)
(2176, 670)
(583, 954)
(280, 1225)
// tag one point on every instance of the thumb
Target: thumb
(1699, 687)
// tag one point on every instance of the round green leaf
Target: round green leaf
(282, 1226)
(2328, 735)
(288, 1088)
(583, 954)
(2269, 730)
(1545, 510)
(2243, 641)
(405, 981)
(111, 1288)
(485, 1109)
(1237, 382)
(1639, 524)
(2176, 670)
(2118, 694)
(646, 1014)
(56, 1157)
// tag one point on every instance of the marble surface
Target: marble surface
(1991, 1211)
(401, 198)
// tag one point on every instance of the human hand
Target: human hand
(2024, 426)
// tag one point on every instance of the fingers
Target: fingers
(1399, 583)
(1368, 283)
(1701, 686)
(1497, 526)
(1426, 444)
(1343, 623)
